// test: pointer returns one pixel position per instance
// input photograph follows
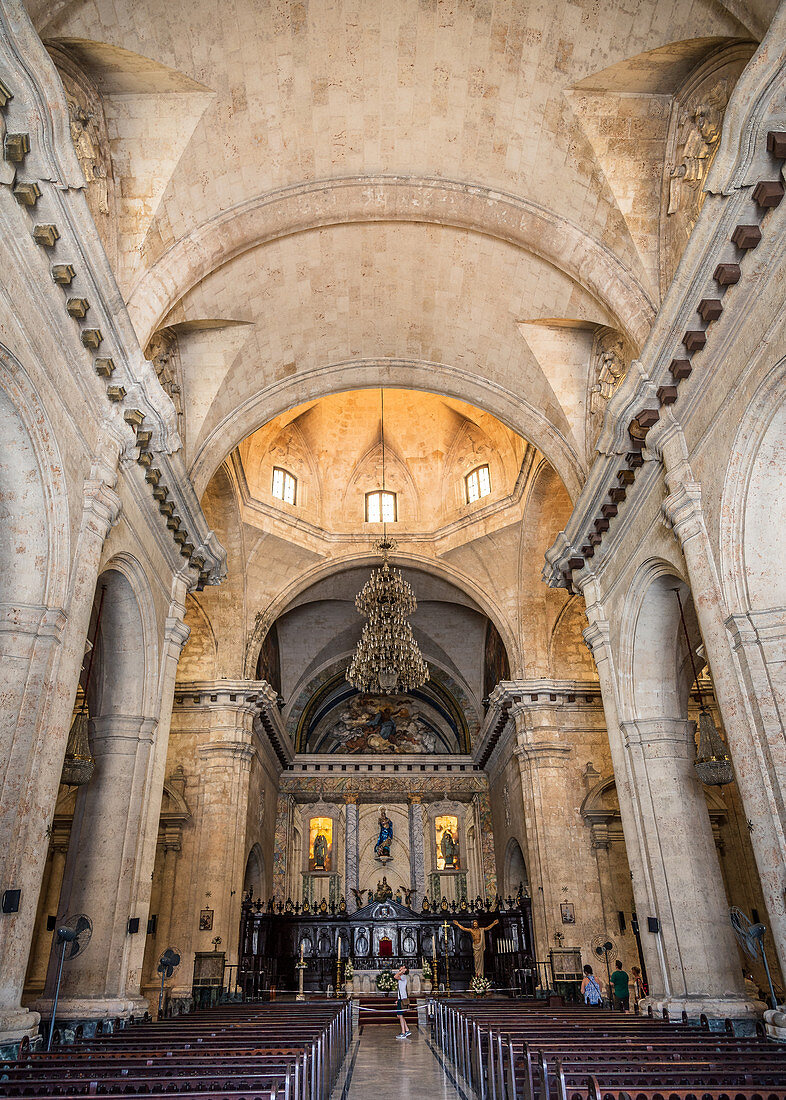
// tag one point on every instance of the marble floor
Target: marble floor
(380, 1067)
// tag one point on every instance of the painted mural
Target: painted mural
(381, 724)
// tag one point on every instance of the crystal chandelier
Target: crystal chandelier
(387, 657)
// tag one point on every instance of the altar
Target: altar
(380, 935)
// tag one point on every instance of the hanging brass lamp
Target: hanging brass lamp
(78, 763)
(713, 763)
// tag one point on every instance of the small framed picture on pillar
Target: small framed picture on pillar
(568, 913)
(206, 920)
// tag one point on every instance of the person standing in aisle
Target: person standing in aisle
(620, 984)
(401, 1003)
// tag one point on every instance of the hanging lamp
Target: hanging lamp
(713, 763)
(387, 657)
(78, 763)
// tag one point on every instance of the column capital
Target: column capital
(120, 734)
(176, 634)
(681, 510)
(351, 799)
(544, 754)
(231, 750)
(597, 637)
(661, 736)
(414, 799)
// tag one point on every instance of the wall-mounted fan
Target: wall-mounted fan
(602, 946)
(750, 937)
(167, 965)
(72, 937)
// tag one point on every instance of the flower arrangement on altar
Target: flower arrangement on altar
(480, 987)
(426, 970)
(386, 983)
(349, 971)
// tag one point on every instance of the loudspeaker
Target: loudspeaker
(51, 921)
(621, 919)
(653, 924)
(11, 901)
(133, 925)
(152, 924)
(755, 916)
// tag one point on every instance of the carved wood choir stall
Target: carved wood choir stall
(379, 935)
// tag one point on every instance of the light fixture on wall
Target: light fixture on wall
(713, 763)
(387, 657)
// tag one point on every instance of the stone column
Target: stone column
(42, 646)
(692, 962)
(699, 963)
(759, 753)
(547, 818)
(172, 846)
(417, 858)
(100, 873)
(218, 716)
(42, 941)
(352, 852)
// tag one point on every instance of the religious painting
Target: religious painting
(206, 920)
(568, 913)
(446, 834)
(496, 665)
(382, 724)
(320, 844)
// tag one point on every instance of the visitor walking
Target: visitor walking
(590, 990)
(639, 987)
(401, 1003)
(620, 984)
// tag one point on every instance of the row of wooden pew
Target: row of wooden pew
(289, 1051)
(507, 1051)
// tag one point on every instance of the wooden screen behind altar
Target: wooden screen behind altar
(447, 842)
(320, 844)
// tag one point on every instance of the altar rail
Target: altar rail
(380, 935)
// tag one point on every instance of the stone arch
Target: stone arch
(512, 409)
(254, 876)
(300, 584)
(655, 668)
(126, 641)
(753, 508)
(515, 869)
(344, 201)
(34, 520)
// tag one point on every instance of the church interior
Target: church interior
(391, 515)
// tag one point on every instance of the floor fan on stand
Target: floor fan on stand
(72, 937)
(167, 965)
(602, 946)
(750, 937)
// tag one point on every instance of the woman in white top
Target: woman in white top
(401, 977)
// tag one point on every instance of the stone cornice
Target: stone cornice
(691, 316)
(245, 696)
(119, 387)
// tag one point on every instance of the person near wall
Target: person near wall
(590, 989)
(620, 984)
(639, 987)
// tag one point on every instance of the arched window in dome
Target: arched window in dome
(478, 482)
(381, 507)
(284, 485)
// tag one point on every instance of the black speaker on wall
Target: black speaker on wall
(11, 901)
(133, 925)
(51, 921)
(621, 919)
(653, 924)
(152, 924)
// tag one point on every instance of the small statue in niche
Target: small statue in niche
(610, 367)
(384, 891)
(449, 850)
(385, 838)
(698, 137)
(320, 851)
(360, 901)
(408, 896)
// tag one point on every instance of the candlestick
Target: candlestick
(302, 944)
(339, 948)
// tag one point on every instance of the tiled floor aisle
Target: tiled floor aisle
(387, 1069)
